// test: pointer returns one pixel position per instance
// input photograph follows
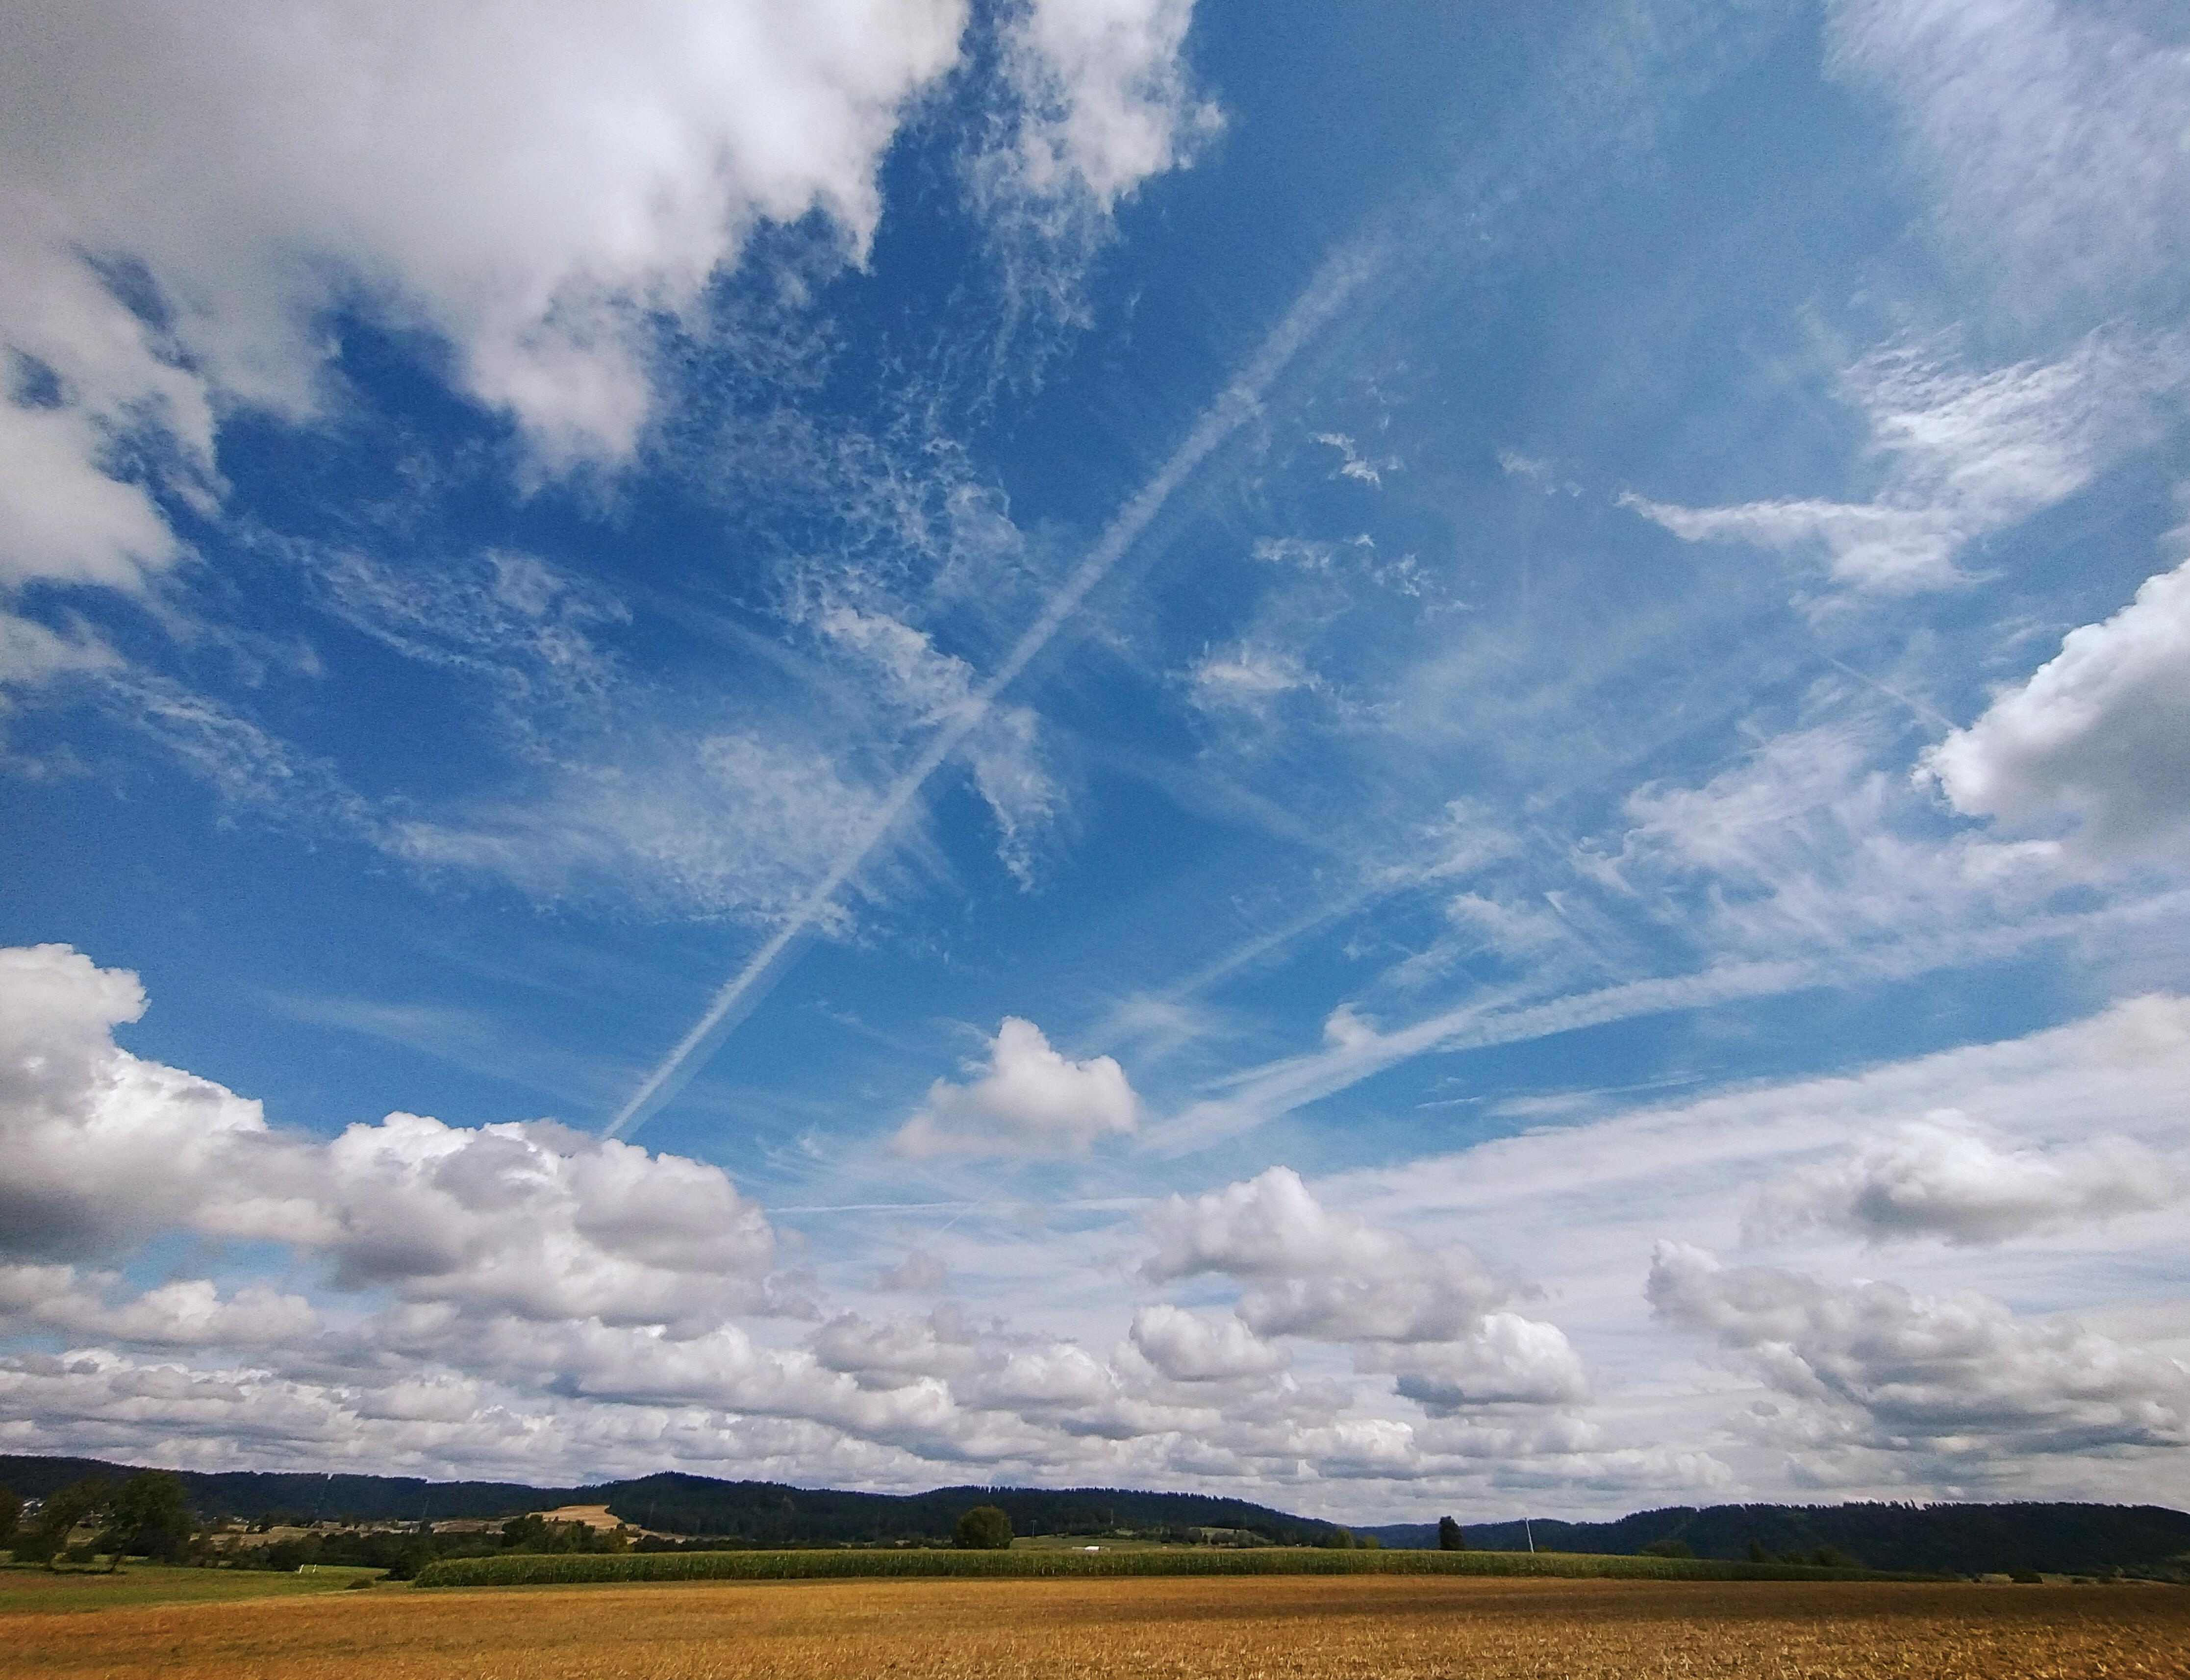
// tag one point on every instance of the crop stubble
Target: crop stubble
(1271, 1628)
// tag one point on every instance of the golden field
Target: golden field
(1255, 1628)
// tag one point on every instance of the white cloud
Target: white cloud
(1802, 844)
(1354, 464)
(537, 188)
(934, 689)
(1871, 1365)
(1962, 455)
(919, 1273)
(1942, 1176)
(2100, 735)
(1509, 1360)
(190, 1313)
(1108, 102)
(1422, 1314)
(1028, 1100)
(106, 1150)
(103, 1149)
(1190, 1347)
(1247, 678)
(718, 824)
(1271, 1226)
(2052, 133)
(893, 1352)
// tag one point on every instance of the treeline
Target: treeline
(767, 1513)
(2064, 1538)
(758, 1513)
(147, 1515)
(304, 1497)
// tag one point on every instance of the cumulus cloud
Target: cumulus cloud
(1190, 1347)
(190, 190)
(106, 1150)
(1422, 1316)
(1107, 99)
(1509, 1359)
(103, 1149)
(1314, 1271)
(1872, 1364)
(1962, 455)
(2099, 736)
(190, 1312)
(918, 1273)
(1944, 1175)
(1029, 1100)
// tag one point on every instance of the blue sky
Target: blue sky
(1401, 763)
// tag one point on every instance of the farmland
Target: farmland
(1027, 1560)
(1273, 1627)
(25, 1589)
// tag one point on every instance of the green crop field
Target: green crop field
(571, 1568)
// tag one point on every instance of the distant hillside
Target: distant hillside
(253, 1493)
(765, 1511)
(757, 1513)
(1964, 1538)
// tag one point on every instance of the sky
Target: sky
(1398, 760)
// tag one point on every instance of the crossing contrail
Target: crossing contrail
(1337, 279)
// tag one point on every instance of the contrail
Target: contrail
(1337, 279)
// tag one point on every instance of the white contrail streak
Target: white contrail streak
(1334, 283)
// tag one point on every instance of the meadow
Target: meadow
(24, 1587)
(1258, 1627)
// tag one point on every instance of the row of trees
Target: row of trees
(148, 1516)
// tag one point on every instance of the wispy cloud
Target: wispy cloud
(1961, 455)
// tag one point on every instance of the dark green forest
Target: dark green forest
(2069, 1539)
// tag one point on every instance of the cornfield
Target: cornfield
(570, 1568)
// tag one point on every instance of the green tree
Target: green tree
(11, 1513)
(1757, 1554)
(1450, 1538)
(1367, 1543)
(1669, 1548)
(77, 1502)
(986, 1528)
(150, 1518)
(1338, 1538)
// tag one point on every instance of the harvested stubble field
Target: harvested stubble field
(1386, 1627)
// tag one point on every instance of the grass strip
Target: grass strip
(572, 1568)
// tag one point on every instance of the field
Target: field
(1390, 1627)
(25, 1588)
(568, 1569)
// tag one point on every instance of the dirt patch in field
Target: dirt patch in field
(1268, 1628)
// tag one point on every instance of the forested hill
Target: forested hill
(1964, 1538)
(765, 1511)
(311, 1497)
(760, 1512)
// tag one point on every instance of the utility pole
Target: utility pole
(1531, 1532)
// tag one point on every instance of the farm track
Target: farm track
(1373, 1627)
